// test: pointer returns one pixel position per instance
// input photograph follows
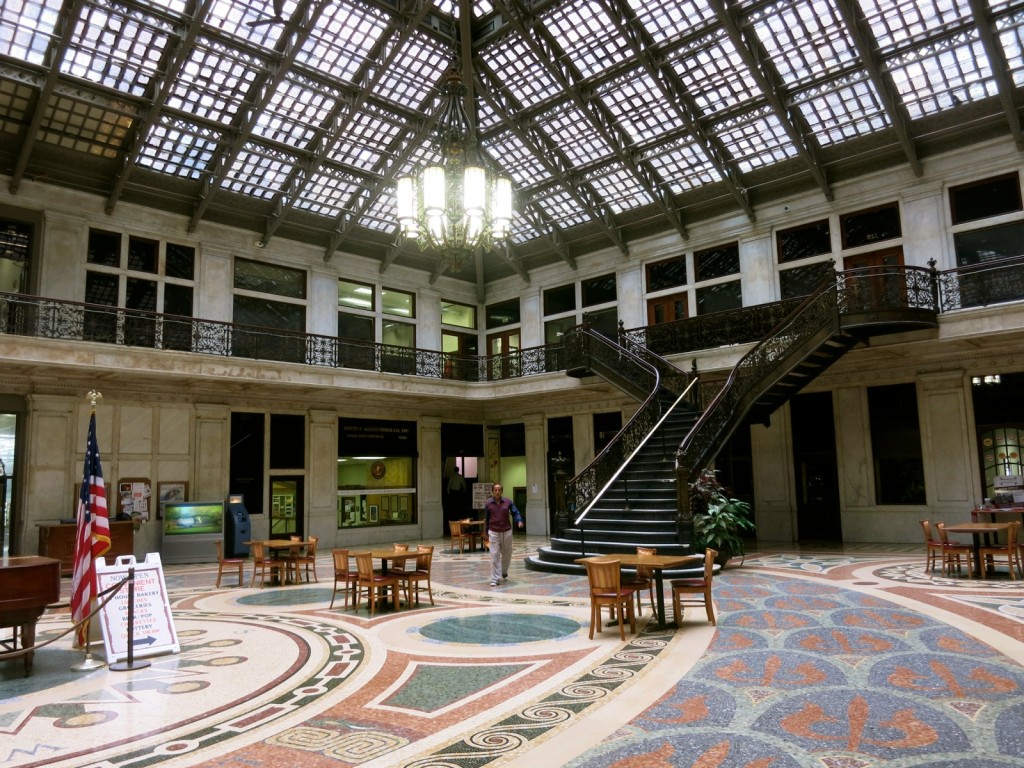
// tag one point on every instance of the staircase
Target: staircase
(639, 508)
(629, 495)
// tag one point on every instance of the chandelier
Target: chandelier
(454, 208)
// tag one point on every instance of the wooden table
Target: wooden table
(474, 528)
(384, 555)
(977, 530)
(657, 564)
(281, 544)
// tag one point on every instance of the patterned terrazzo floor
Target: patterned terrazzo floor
(835, 659)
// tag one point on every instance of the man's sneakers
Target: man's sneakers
(504, 575)
(494, 583)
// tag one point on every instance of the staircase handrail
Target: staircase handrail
(633, 373)
(643, 441)
(817, 314)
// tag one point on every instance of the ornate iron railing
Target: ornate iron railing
(979, 285)
(717, 329)
(74, 321)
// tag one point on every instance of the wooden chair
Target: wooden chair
(988, 553)
(344, 576)
(262, 563)
(374, 582)
(605, 578)
(458, 537)
(306, 560)
(231, 563)
(642, 579)
(414, 579)
(697, 591)
(952, 551)
(932, 547)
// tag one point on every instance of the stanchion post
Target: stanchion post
(130, 662)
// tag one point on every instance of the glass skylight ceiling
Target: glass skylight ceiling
(603, 112)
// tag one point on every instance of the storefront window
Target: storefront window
(376, 473)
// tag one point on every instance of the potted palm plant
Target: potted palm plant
(719, 521)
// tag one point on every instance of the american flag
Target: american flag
(93, 538)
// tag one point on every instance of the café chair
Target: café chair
(952, 551)
(262, 563)
(231, 563)
(605, 579)
(642, 579)
(344, 576)
(458, 537)
(988, 553)
(932, 547)
(307, 559)
(414, 579)
(374, 582)
(696, 591)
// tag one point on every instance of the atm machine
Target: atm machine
(237, 528)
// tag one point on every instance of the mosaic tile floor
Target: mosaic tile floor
(808, 644)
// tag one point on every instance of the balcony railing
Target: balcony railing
(74, 321)
(971, 286)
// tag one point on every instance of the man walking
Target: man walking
(497, 521)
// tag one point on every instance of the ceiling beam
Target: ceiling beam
(55, 51)
(763, 71)
(263, 89)
(987, 33)
(866, 46)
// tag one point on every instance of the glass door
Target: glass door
(286, 507)
(502, 361)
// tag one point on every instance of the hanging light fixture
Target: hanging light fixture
(455, 207)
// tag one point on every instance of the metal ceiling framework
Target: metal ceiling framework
(616, 119)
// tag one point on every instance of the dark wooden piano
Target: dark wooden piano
(27, 585)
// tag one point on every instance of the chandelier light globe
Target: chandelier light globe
(454, 208)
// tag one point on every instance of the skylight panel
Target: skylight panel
(88, 128)
(26, 28)
(755, 140)
(639, 106)
(366, 136)
(571, 131)
(295, 114)
(561, 208)
(895, 23)
(380, 216)
(259, 172)
(14, 104)
(1009, 29)
(119, 50)
(179, 148)
(517, 161)
(327, 192)
(213, 83)
(342, 41)
(527, 79)
(412, 77)
(839, 112)
(931, 80)
(620, 189)
(586, 35)
(669, 21)
(682, 165)
(714, 75)
(805, 40)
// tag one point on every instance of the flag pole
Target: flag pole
(88, 663)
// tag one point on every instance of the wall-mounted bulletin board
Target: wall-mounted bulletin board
(135, 498)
